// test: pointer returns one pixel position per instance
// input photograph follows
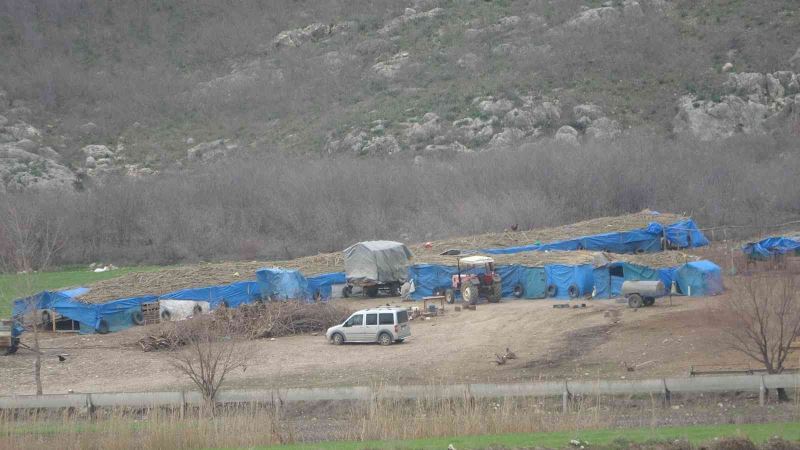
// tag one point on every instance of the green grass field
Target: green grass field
(14, 286)
(694, 434)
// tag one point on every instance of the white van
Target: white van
(381, 325)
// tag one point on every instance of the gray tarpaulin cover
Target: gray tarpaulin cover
(376, 261)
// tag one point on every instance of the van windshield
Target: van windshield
(402, 316)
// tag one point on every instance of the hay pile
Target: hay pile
(576, 257)
(209, 274)
(247, 322)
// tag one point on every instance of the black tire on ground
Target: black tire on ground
(469, 294)
(497, 292)
(197, 309)
(14, 346)
(103, 327)
(137, 318)
(371, 291)
(385, 339)
(552, 291)
(635, 301)
(47, 318)
(449, 296)
(347, 291)
(519, 290)
(337, 339)
(573, 291)
(166, 315)
(649, 301)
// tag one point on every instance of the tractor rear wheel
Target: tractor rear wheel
(469, 294)
(497, 292)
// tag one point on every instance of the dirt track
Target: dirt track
(459, 346)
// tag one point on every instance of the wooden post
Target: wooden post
(762, 392)
(565, 399)
(183, 404)
(667, 394)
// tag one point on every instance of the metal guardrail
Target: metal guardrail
(565, 389)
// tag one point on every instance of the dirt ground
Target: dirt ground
(597, 341)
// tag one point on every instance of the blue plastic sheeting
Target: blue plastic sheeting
(607, 286)
(682, 234)
(321, 284)
(430, 277)
(699, 278)
(771, 246)
(77, 292)
(234, 294)
(534, 282)
(282, 284)
(116, 313)
(562, 277)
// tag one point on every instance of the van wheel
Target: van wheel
(385, 339)
(337, 339)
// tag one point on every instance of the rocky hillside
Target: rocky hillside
(95, 88)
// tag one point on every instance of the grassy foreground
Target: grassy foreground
(14, 286)
(696, 434)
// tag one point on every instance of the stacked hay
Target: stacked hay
(209, 274)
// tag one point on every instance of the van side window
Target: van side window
(387, 319)
(372, 319)
(402, 316)
(358, 319)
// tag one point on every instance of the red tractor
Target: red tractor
(476, 279)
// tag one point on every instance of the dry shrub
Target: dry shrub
(733, 443)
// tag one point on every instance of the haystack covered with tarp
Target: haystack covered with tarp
(373, 262)
(773, 246)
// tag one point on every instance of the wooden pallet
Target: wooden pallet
(150, 311)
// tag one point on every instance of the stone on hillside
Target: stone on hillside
(589, 110)
(774, 87)
(22, 130)
(747, 83)
(299, 36)
(567, 135)
(97, 151)
(708, 120)
(520, 118)
(490, 106)
(396, 23)
(509, 22)
(506, 138)
(3, 121)
(475, 131)
(27, 145)
(424, 131)
(603, 129)
(47, 152)
(727, 67)
(90, 162)
(546, 114)
(453, 147)
(632, 9)
(391, 67)
(3, 100)
(381, 145)
(594, 17)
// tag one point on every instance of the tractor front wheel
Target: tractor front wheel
(497, 292)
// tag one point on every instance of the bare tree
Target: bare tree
(34, 240)
(209, 355)
(765, 309)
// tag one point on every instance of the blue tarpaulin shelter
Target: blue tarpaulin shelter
(534, 282)
(428, 278)
(319, 286)
(682, 234)
(282, 284)
(777, 245)
(233, 294)
(608, 279)
(699, 278)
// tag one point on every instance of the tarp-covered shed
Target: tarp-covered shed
(233, 294)
(772, 246)
(699, 278)
(608, 278)
(373, 262)
(276, 283)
